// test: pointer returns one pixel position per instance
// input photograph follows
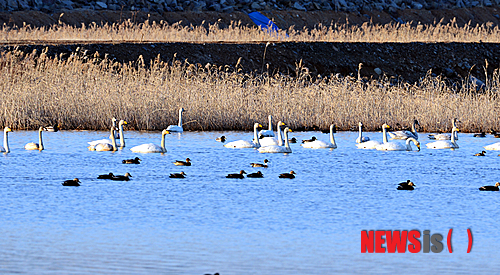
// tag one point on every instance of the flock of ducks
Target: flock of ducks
(265, 141)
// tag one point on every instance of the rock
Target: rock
(417, 6)
(228, 9)
(23, 5)
(342, 3)
(378, 71)
(215, 7)
(298, 6)
(448, 72)
(255, 6)
(12, 5)
(114, 7)
(101, 5)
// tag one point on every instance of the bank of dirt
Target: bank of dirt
(403, 61)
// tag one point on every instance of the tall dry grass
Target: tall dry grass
(84, 92)
(151, 31)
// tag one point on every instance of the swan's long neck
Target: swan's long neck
(40, 142)
(453, 133)
(113, 140)
(287, 144)
(270, 123)
(162, 143)
(413, 130)
(6, 141)
(384, 137)
(122, 139)
(360, 134)
(180, 118)
(332, 138)
(255, 135)
(408, 145)
(280, 136)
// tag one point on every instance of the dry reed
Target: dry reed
(84, 92)
(238, 33)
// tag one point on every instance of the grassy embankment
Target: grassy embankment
(84, 92)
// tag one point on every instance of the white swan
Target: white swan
(396, 146)
(445, 144)
(177, 128)
(361, 138)
(36, 146)
(318, 144)
(446, 136)
(406, 134)
(494, 146)
(109, 141)
(268, 141)
(5, 147)
(372, 144)
(150, 147)
(269, 132)
(385, 142)
(277, 148)
(255, 143)
(105, 146)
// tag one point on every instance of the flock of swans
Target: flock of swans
(265, 141)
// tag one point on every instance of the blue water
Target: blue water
(206, 223)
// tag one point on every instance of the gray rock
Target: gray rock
(228, 9)
(417, 6)
(342, 3)
(378, 71)
(101, 5)
(114, 7)
(215, 7)
(298, 6)
(255, 6)
(12, 5)
(23, 5)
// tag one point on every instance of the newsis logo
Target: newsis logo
(392, 241)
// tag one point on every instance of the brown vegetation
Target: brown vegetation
(84, 92)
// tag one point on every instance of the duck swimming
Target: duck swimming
(313, 138)
(256, 175)
(482, 154)
(480, 135)
(54, 128)
(221, 139)
(260, 164)
(290, 175)
(408, 185)
(135, 160)
(73, 182)
(490, 188)
(236, 176)
(125, 177)
(180, 175)
(106, 176)
(183, 163)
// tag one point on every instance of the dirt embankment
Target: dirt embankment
(409, 61)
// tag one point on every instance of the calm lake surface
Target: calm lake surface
(206, 223)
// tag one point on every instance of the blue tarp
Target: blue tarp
(264, 23)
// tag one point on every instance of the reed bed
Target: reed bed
(158, 32)
(84, 92)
